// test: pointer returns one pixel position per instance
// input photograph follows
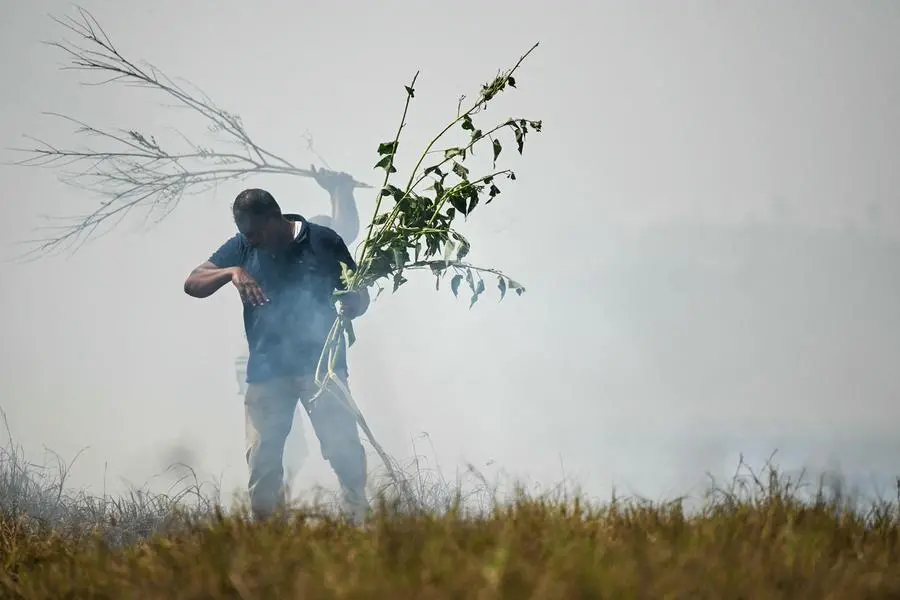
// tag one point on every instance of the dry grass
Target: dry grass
(759, 537)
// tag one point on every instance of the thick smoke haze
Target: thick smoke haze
(707, 229)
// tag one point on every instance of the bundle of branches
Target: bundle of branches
(417, 231)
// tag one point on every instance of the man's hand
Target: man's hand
(247, 287)
(332, 181)
(354, 305)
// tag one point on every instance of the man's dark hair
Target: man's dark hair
(254, 203)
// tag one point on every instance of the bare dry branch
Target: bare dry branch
(134, 169)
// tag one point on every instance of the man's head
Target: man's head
(258, 217)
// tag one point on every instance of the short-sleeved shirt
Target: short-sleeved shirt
(286, 336)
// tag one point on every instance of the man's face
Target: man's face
(261, 232)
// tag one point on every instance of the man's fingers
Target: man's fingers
(247, 295)
(258, 296)
(251, 293)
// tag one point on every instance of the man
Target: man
(344, 220)
(286, 270)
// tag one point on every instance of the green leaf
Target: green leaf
(385, 163)
(388, 147)
(449, 247)
(392, 190)
(479, 288)
(437, 268)
(520, 139)
(497, 149)
(452, 152)
(463, 247)
(467, 123)
(454, 285)
(511, 81)
(493, 192)
(458, 201)
(473, 201)
(433, 243)
(400, 257)
(517, 287)
(460, 171)
(410, 91)
(396, 192)
(399, 280)
(501, 283)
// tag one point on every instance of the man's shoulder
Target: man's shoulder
(237, 239)
(324, 235)
(320, 230)
(232, 250)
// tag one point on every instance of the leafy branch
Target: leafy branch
(133, 169)
(420, 224)
(417, 232)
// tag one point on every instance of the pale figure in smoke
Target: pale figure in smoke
(344, 220)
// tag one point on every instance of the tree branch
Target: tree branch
(133, 169)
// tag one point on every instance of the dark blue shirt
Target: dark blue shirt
(286, 336)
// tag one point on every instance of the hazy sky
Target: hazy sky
(652, 110)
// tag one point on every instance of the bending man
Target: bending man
(286, 270)
(344, 220)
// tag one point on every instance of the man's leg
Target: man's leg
(269, 413)
(296, 448)
(338, 435)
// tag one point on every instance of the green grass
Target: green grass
(759, 536)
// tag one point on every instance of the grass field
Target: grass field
(761, 536)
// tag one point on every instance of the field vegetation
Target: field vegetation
(761, 535)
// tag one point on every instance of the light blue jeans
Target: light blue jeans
(269, 413)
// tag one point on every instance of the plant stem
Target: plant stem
(387, 174)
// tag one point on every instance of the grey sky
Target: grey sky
(652, 111)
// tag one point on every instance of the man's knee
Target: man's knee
(349, 464)
(345, 450)
(341, 447)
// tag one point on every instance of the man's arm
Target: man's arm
(206, 279)
(223, 267)
(344, 213)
